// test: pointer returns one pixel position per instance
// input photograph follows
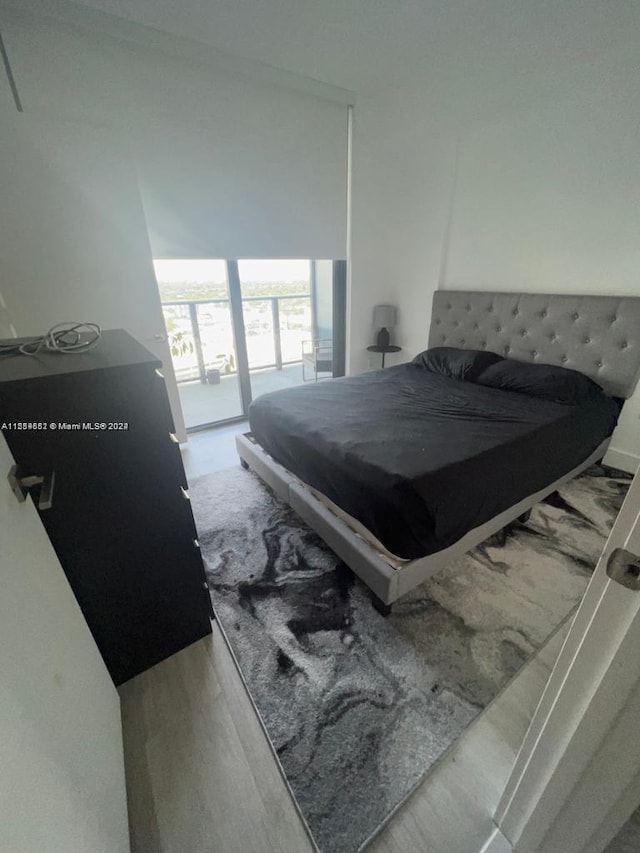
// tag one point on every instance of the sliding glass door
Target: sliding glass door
(198, 319)
(238, 329)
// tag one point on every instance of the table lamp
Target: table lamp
(384, 318)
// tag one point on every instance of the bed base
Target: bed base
(386, 582)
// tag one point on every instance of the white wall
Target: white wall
(401, 186)
(62, 785)
(229, 166)
(545, 198)
(74, 242)
(7, 329)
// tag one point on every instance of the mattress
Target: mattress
(419, 458)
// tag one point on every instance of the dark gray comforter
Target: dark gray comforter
(419, 458)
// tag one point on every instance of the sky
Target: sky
(284, 271)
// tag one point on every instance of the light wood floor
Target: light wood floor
(200, 773)
(201, 776)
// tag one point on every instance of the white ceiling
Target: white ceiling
(368, 45)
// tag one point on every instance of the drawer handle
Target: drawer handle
(196, 544)
(21, 485)
(185, 493)
(159, 373)
(173, 438)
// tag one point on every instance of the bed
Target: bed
(400, 471)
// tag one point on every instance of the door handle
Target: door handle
(623, 567)
(21, 486)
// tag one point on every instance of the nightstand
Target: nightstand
(383, 350)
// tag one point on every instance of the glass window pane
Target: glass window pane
(276, 302)
(195, 303)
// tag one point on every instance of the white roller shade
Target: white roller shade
(229, 165)
(240, 171)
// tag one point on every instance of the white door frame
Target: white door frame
(576, 779)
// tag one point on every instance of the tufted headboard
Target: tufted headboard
(597, 335)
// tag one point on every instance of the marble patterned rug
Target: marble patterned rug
(358, 707)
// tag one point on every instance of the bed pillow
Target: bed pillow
(558, 384)
(465, 364)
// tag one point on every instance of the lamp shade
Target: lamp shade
(384, 316)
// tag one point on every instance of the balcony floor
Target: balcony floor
(205, 404)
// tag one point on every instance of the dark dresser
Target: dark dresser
(113, 496)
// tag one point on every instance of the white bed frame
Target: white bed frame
(600, 336)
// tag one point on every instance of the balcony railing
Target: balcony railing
(201, 333)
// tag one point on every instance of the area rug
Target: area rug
(358, 707)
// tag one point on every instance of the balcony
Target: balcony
(205, 404)
(204, 356)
